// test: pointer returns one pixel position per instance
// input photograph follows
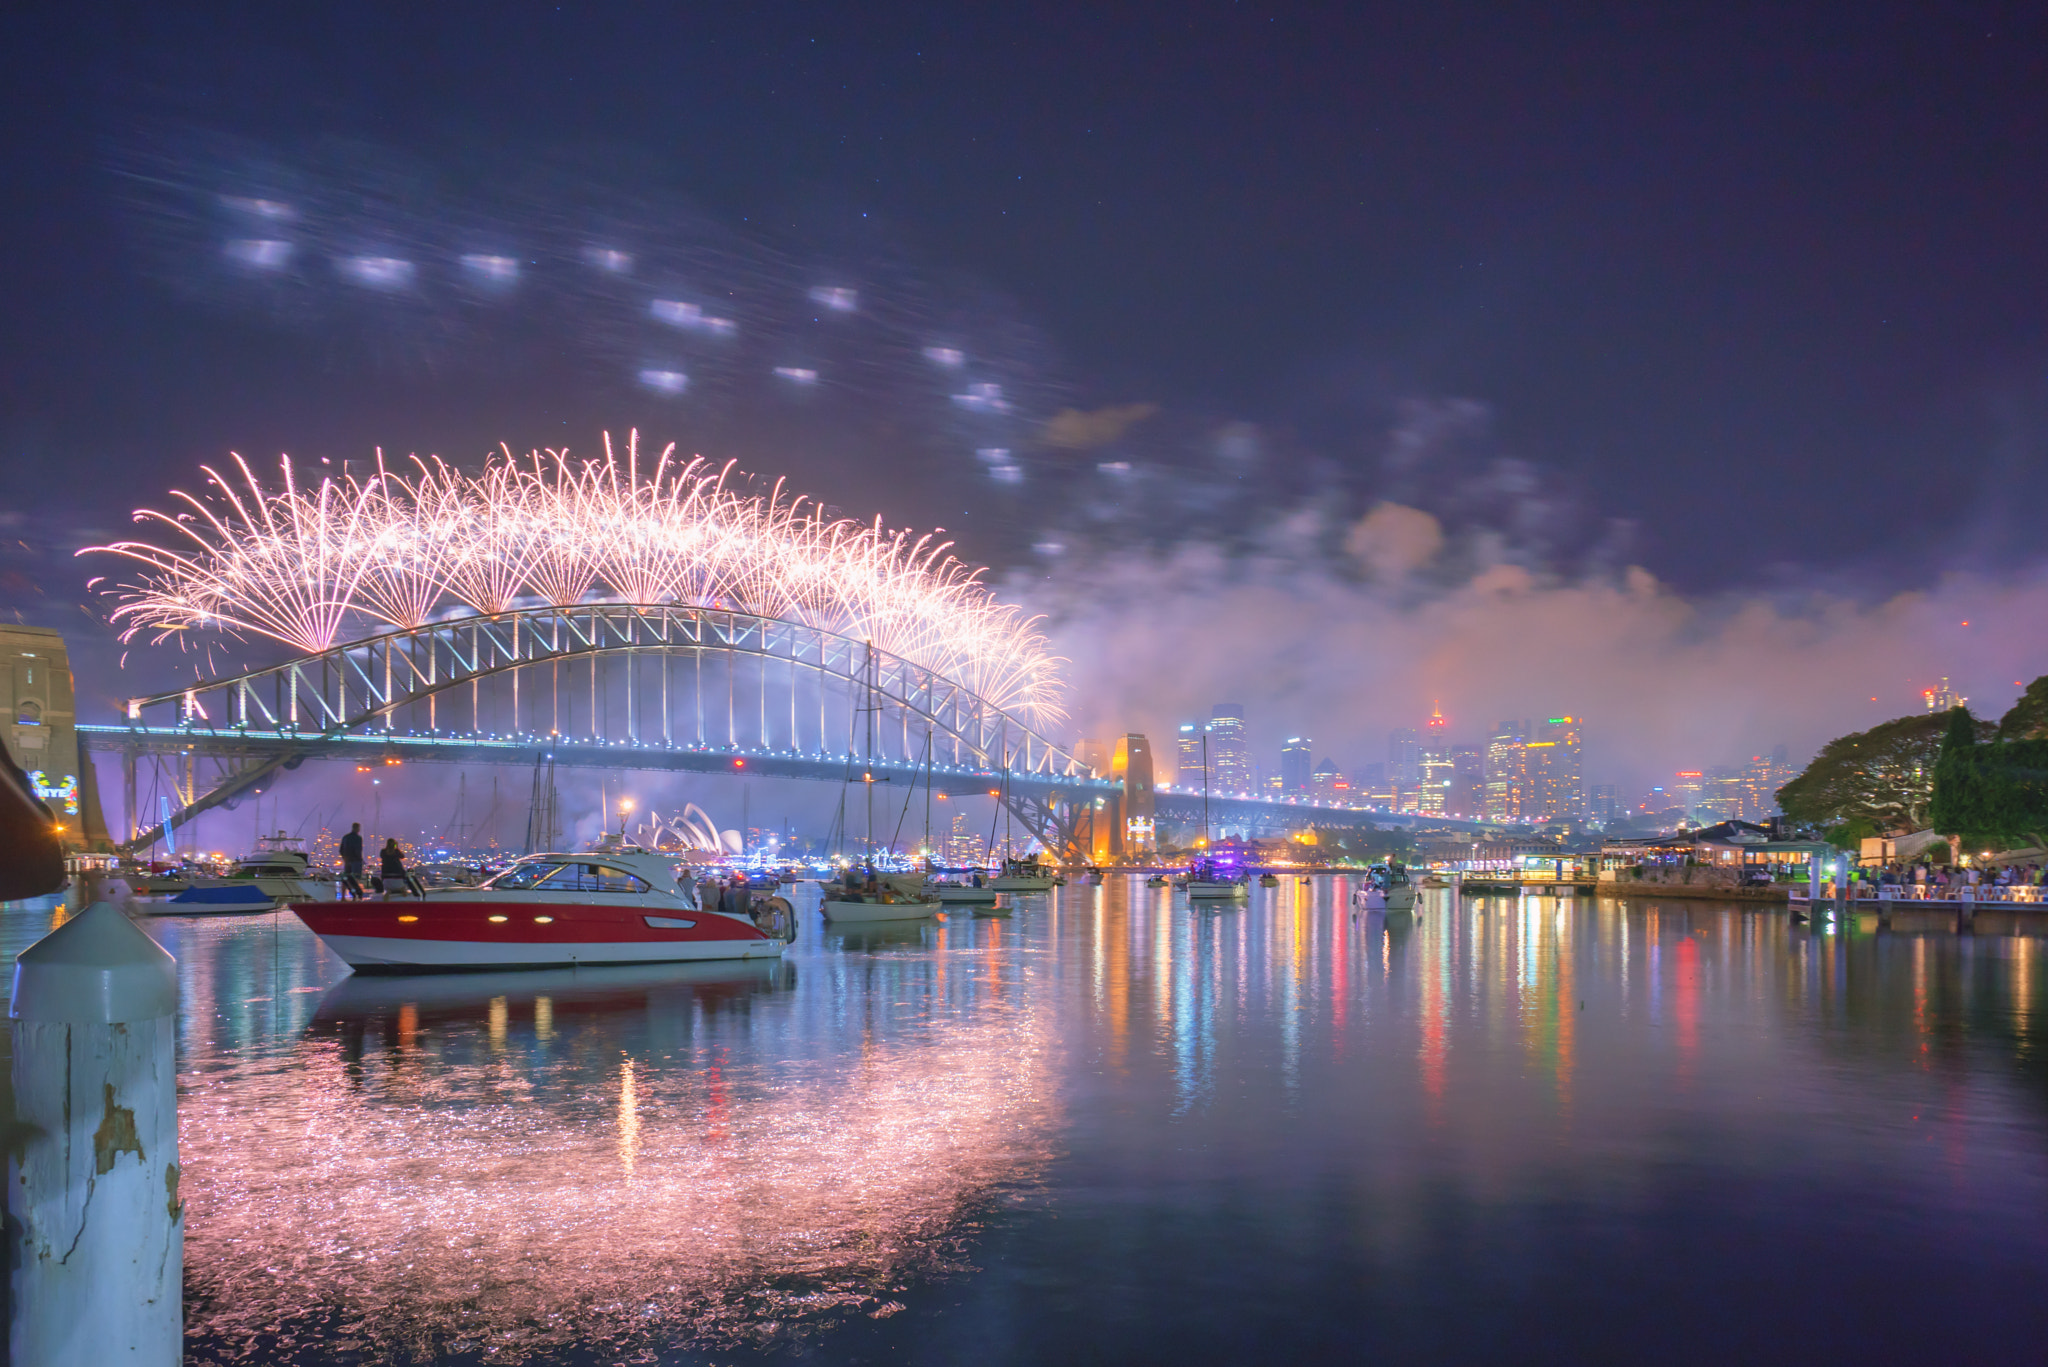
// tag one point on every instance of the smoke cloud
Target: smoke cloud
(1346, 630)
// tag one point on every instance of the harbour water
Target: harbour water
(1111, 1129)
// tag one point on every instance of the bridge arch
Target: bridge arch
(860, 702)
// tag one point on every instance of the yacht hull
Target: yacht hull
(444, 934)
(867, 913)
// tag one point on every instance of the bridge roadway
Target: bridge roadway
(1044, 801)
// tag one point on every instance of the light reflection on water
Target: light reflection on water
(1112, 1127)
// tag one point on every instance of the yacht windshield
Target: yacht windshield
(547, 875)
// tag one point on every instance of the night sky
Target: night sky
(1750, 296)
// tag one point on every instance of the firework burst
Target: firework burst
(309, 567)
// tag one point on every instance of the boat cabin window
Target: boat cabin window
(549, 876)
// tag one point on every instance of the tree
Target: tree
(2028, 718)
(1884, 775)
(1960, 804)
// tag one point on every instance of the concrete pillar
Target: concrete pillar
(95, 1229)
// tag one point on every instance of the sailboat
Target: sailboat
(1206, 882)
(887, 903)
(1018, 875)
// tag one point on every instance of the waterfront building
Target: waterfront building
(1296, 765)
(1507, 772)
(1230, 755)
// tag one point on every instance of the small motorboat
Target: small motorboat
(1269, 880)
(1157, 880)
(621, 905)
(1386, 888)
(276, 873)
(1095, 878)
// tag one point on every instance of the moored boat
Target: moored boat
(1387, 888)
(1024, 875)
(615, 906)
(275, 873)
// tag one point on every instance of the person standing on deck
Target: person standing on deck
(352, 861)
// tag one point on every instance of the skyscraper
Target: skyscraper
(1468, 781)
(1404, 756)
(1230, 757)
(1295, 765)
(1556, 790)
(1507, 772)
(1687, 789)
(1603, 803)
(1433, 765)
(1188, 755)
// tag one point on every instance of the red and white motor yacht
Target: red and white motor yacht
(615, 906)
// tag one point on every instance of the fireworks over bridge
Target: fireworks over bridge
(612, 613)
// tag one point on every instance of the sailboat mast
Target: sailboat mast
(1205, 790)
(871, 751)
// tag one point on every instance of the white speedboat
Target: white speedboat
(1157, 880)
(1269, 880)
(1095, 878)
(615, 906)
(1387, 888)
(277, 872)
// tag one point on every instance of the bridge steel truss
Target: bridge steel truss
(328, 704)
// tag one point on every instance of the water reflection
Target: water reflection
(1426, 1136)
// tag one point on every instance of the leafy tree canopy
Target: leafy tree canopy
(1884, 776)
(2028, 718)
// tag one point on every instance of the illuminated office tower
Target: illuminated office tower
(1603, 803)
(1230, 757)
(1556, 786)
(1188, 756)
(1507, 772)
(1296, 765)
(1433, 766)
(1687, 789)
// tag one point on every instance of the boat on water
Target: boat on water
(1157, 880)
(1024, 875)
(1095, 878)
(621, 905)
(1269, 880)
(275, 873)
(1387, 888)
(1208, 883)
(961, 894)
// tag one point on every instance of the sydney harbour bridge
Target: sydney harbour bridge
(693, 629)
